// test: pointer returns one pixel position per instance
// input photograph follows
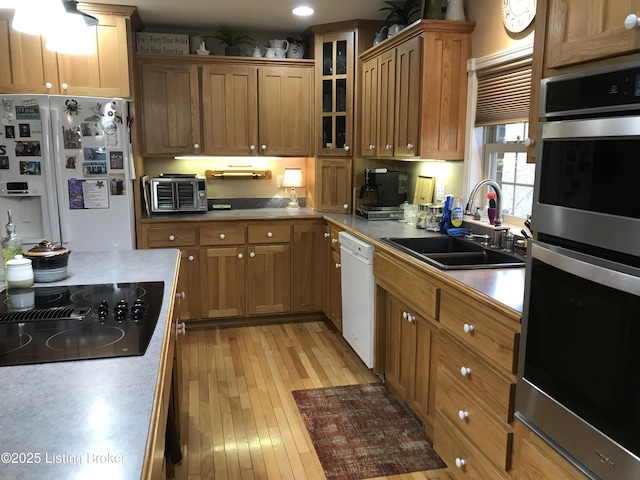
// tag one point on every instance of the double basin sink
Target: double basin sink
(455, 253)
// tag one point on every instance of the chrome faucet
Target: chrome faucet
(474, 192)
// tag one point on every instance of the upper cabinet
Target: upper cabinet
(577, 34)
(414, 92)
(31, 68)
(249, 107)
(336, 48)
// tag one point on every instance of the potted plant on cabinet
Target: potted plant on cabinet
(231, 40)
(401, 13)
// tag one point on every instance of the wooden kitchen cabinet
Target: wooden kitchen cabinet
(189, 283)
(222, 282)
(332, 279)
(534, 459)
(308, 266)
(576, 34)
(410, 334)
(169, 95)
(249, 106)
(333, 183)
(230, 109)
(31, 68)
(477, 365)
(414, 92)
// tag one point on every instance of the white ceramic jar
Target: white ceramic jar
(19, 272)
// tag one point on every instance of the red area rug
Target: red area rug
(361, 431)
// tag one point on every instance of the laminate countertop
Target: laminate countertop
(86, 419)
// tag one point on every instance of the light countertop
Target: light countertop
(86, 419)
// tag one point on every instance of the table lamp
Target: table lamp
(292, 179)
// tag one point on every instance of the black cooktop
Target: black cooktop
(58, 323)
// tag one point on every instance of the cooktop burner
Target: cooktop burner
(52, 324)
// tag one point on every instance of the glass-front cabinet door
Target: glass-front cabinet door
(335, 65)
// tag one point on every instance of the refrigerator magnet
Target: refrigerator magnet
(71, 138)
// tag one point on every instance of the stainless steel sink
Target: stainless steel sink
(453, 253)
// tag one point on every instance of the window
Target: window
(505, 161)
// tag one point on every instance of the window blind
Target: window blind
(503, 93)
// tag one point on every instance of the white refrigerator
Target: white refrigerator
(66, 172)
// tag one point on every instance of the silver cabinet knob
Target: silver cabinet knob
(338, 265)
(460, 462)
(345, 206)
(371, 147)
(48, 85)
(468, 328)
(222, 236)
(346, 148)
(464, 371)
(252, 147)
(196, 146)
(462, 415)
(528, 142)
(410, 146)
(180, 295)
(327, 235)
(334, 240)
(191, 258)
(388, 147)
(64, 86)
(263, 147)
(269, 234)
(181, 328)
(240, 256)
(171, 238)
(252, 254)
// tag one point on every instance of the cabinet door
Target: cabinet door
(188, 283)
(578, 33)
(269, 279)
(308, 245)
(105, 74)
(170, 100)
(230, 109)
(27, 65)
(222, 282)
(335, 70)
(408, 88)
(387, 103)
(369, 107)
(284, 110)
(335, 290)
(400, 345)
(334, 185)
(423, 389)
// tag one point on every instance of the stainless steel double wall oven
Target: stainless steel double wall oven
(579, 369)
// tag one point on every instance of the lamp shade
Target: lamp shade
(37, 17)
(292, 178)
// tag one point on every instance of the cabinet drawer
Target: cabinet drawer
(452, 445)
(495, 390)
(171, 236)
(489, 331)
(222, 234)
(492, 438)
(407, 283)
(269, 233)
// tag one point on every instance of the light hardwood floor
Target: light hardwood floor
(238, 416)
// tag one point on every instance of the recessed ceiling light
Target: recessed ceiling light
(303, 11)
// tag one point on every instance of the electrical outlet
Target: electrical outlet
(440, 192)
(279, 179)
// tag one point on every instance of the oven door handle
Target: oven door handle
(603, 272)
(591, 128)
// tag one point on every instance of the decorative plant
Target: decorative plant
(402, 12)
(492, 199)
(226, 36)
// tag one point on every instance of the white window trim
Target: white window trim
(474, 144)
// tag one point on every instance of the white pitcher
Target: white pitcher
(270, 53)
(282, 44)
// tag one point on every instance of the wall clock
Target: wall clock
(517, 14)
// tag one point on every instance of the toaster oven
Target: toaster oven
(178, 193)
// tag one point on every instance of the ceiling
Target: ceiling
(249, 15)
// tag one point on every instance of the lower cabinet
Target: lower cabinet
(406, 315)
(332, 278)
(534, 459)
(237, 268)
(412, 346)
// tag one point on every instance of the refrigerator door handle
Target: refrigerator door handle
(59, 178)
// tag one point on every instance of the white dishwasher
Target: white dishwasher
(356, 258)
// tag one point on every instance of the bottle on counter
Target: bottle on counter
(11, 244)
(445, 221)
(456, 212)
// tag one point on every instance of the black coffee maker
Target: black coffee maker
(384, 188)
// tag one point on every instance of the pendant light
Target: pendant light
(38, 17)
